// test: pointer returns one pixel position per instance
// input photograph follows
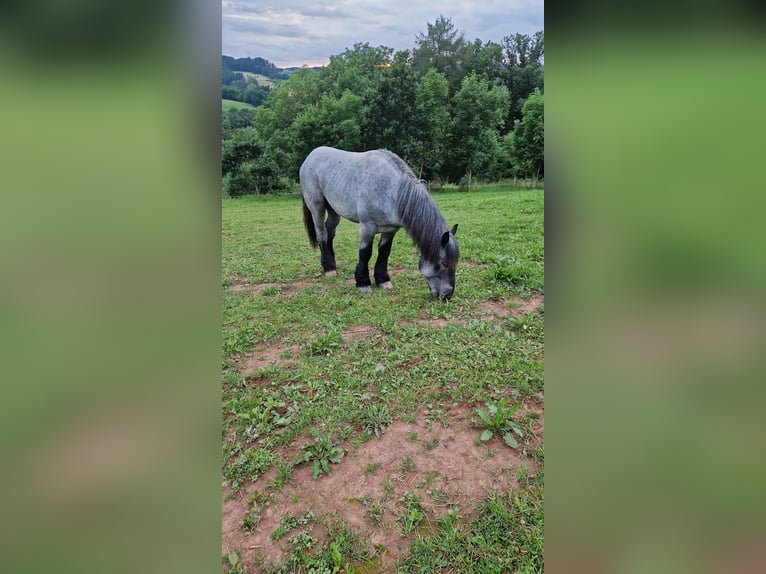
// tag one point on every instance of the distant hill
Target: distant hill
(250, 80)
(296, 68)
(254, 66)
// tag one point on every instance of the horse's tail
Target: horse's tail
(308, 221)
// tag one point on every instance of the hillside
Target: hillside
(249, 80)
(253, 65)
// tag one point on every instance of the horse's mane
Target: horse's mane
(419, 215)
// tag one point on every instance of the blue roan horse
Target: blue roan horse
(377, 190)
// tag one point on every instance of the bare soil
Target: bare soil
(448, 470)
(268, 355)
(258, 288)
(515, 306)
(446, 464)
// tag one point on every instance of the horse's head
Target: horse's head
(440, 275)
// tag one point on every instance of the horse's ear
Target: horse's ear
(454, 229)
(445, 239)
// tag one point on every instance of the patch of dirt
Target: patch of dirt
(446, 470)
(488, 309)
(359, 333)
(266, 356)
(515, 306)
(258, 288)
(296, 287)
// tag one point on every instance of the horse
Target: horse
(377, 190)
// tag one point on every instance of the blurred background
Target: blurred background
(109, 286)
(110, 278)
(655, 308)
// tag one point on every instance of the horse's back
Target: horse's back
(350, 182)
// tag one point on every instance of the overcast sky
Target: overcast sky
(296, 32)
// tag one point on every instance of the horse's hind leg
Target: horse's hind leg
(382, 278)
(362, 273)
(327, 259)
(328, 255)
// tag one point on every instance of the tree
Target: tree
(249, 166)
(432, 122)
(255, 94)
(441, 48)
(356, 70)
(485, 60)
(525, 70)
(528, 143)
(236, 118)
(390, 117)
(479, 111)
(287, 101)
(333, 122)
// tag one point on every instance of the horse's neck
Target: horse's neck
(423, 222)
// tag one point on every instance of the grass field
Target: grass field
(260, 78)
(226, 104)
(385, 431)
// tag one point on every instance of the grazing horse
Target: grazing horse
(377, 190)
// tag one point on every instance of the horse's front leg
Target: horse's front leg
(362, 273)
(382, 278)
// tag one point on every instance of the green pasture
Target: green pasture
(229, 104)
(331, 386)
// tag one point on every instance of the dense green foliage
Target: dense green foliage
(455, 111)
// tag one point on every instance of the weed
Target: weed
(413, 512)
(303, 541)
(408, 464)
(238, 340)
(253, 516)
(278, 532)
(372, 468)
(499, 418)
(438, 496)
(374, 515)
(271, 291)
(286, 524)
(233, 562)
(434, 414)
(376, 419)
(388, 489)
(251, 519)
(284, 473)
(248, 466)
(325, 344)
(323, 451)
(411, 437)
(520, 274)
(365, 499)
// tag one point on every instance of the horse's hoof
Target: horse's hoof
(331, 273)
(386, 285)
(364, 289)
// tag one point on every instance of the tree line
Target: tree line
(455, 111)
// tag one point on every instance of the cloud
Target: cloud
(297, 32)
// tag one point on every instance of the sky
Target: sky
(296, 32)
